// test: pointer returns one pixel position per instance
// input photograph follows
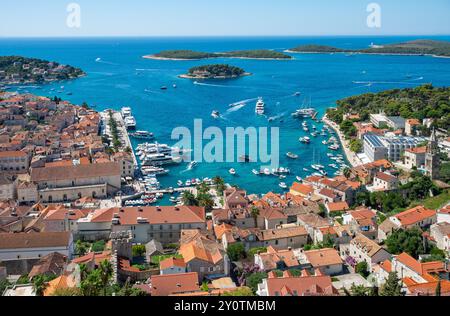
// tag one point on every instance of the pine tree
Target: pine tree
(392, 286)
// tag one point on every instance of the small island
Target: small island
(194, 55)
(416, 47)
(216, 71)
(23, 70)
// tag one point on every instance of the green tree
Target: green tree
(236, 251)
(409, 241)
(3, 285)
(39, 284)
(220, 184)
(392, 287)
(205, 200)
(254, 279)
(359, 290)
(254, 211)
(189, 199)
(92, 284)
(69, 291)
(138, 250)
(205, 287)
(362, 269)
(106, 271)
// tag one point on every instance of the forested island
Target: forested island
(421, 102)
(216, 71)
(23, 70)
(194, 55)
(417, 47)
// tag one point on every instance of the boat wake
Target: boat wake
(273, 118)
(236, 107)
(367, 83)
(243, 102)
(99, 60)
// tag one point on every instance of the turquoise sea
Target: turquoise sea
(119, 76)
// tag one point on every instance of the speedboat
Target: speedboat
(215, 114)
(314, 134)
(256, 172)
(299, 179)
(188, 183)
(324, 142)
(260, 107)
(282, 177)
(232, 171)
(292, 155)
(180, 183)
(305, 140)
(192, 164)
(334, 147)
(283, 185)
(306, 169)
(163, 88)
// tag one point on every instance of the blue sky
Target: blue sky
(224, 17)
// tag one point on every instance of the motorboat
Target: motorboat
(299, 179)
(215, 114)
(256, 172)
(292, 155)
(266, 171)
(125, 111)
(142, 135)
(283, 185)
(232, 171)
(260, 107)
(163, 88)
(150, 170)
(334, 147)
(192, 165)
(305, 140)
(130, 122)
(180, 183)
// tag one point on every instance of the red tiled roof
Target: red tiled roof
(414, 215)
(172, 262)
(164, 285)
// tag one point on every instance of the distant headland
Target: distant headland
(416, 47)
(23, 70)
(194, 55)
(216, 71)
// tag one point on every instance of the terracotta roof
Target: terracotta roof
(386, 177)
(313, 220)
(272, 213)
(414, 215)
(171, 262)
(4, 154)
(337, 206)
(417, 150)
(34, 240)
(429, 288)
(53, 263)
(167, 284)
(445, 210)
(201, 248)
(369, 246)
(61, 214)
(271, 234)
(386, 265)
(153, 215)
(418, 267)
(301, 286)
(302, 188)
(74, 172)
(323, 257)
(272, 257)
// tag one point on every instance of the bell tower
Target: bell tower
(432, 161)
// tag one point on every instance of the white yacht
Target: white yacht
(283, 185)
(260, 107)
(125, 111)
(158, 160)
(305, 140)
(149, 170)
(130, 122)
(142, 135)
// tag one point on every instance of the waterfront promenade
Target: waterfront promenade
(351, 156)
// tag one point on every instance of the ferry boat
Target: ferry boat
(305, 140)
(283, 185)
(260, 107)
(150, 170)
(292, 155)
(158, 160)
(232, 171)
(304, 113)
(142, 135)
(125, 111)
(215, 114)
(130, 122)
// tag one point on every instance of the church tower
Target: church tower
(432, 161)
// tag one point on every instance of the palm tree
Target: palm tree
(189, 199)
(347, 172)
(220, 184)
(106, 271)
(255, 213)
